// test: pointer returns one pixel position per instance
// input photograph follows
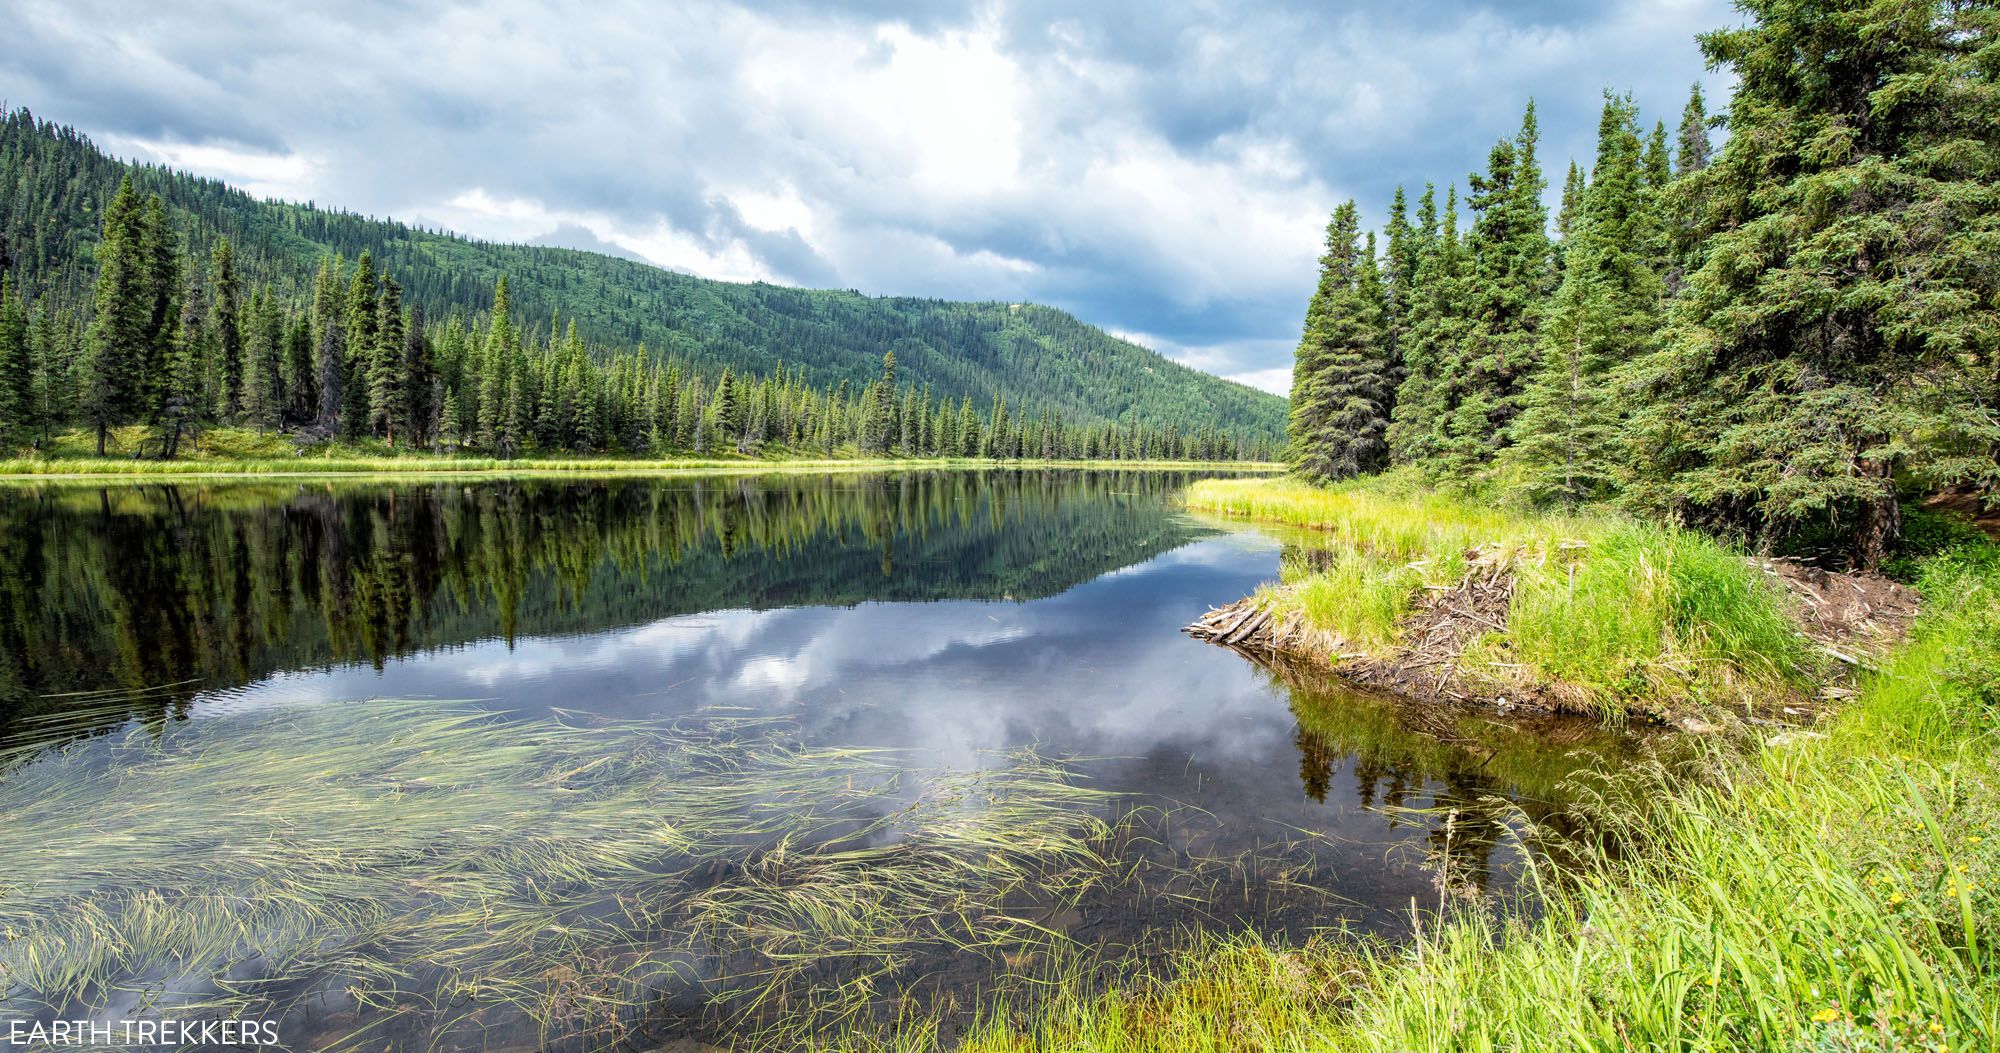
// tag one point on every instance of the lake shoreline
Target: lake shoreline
(1830, 887)
(115, 470)
(1430, 596)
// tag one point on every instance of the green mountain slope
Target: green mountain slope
(54, 181)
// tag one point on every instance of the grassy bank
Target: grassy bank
(1600, 614)
(1831, 889)
(236, 451)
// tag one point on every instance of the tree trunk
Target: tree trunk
(1881, 521)
(100, 438)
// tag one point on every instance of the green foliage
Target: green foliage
(1616, 615)
(1777, 341)
(1341, 384)
(1501, 302)
(1568, 438)
(1840, 330)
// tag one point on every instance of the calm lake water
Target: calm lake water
(916, 627)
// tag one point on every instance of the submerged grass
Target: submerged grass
(1831, 890)
(1617, 613)
(437, 872)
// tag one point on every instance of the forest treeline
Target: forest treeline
(57, 193)
(1774, 340)
(181, 343)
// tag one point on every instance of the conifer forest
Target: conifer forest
(1773, 339)
(140, 296)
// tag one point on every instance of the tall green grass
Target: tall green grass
(1617, 614)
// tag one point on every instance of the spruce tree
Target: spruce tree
(491, 370)
(182, 395)
(362, 322)
(1567, 440)
(1512, 267)
(263, 396)
(725, 413)
(388, 403)
(227, 324)
(420, 381)
(1340, 383)
(18, 418)
(160, 256)
(1693, 147)
(1839, 333)
(1437, 325)
(330, 373)
(116, 347)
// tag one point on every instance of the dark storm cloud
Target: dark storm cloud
(1162, 169)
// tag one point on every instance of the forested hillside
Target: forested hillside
(56, 187)
(1780, 340)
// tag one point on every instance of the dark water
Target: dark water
(950, 617)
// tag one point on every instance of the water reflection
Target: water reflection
(125, 589)
(949, 620)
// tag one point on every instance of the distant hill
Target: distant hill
(54, 181)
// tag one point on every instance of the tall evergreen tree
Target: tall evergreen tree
(362, 319)
(121, 323)
(420, 381)
(388, 403)
(492, 370)
(263, 350)
(1340, 382)
(1567, 440)
(182, 394)
(159, 251)
(19, 422)
(1840, 332)
(227, 321)
(330, 371)
(1512, 268)
(1436, 326)
(1693, 147)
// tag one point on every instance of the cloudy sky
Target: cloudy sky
(1160, 168)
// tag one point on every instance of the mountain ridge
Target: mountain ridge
(54, 181)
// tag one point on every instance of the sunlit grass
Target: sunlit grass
(1351, 604)
(1616, 613)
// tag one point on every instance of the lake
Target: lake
(559, 762)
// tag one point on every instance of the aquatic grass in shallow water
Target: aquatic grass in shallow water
(431, 871)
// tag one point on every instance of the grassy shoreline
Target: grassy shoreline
(242, 452)
(1826, 889)
(93, 469)
(1585, 613)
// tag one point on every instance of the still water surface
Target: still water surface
(955, 623)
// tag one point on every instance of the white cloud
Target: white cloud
(1159, 167)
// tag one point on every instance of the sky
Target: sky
(1163, 169)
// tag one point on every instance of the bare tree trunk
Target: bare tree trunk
(1881, 521)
